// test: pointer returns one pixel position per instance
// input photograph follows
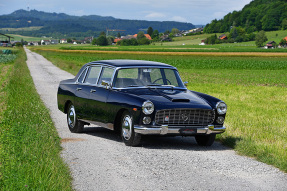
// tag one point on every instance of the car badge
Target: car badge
(184, 116)
(166, 118)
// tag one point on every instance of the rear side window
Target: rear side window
(81, 78)
(93, 75)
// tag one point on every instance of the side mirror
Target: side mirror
(106, 84)
(185, 83)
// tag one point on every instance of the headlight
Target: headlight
(147, 107)
(221, 107)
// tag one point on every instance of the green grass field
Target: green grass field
(29, 143)
(254, 89)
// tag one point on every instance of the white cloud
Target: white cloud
(179, 18)
(155, 15)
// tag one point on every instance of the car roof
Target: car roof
(131, 63)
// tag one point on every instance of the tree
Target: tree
(283, 42)
(150, 31)
(260, 39)
(110, 40)
(284, 24)
(102, 33)
(140, 35)
(69, 40)
(119, 35)
(155, 35)
(94, 41)
(174, 31)
(102, 41)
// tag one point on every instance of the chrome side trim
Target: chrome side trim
(105, 125)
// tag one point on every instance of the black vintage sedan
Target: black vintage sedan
(138, 98)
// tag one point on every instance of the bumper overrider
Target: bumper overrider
(165, 130)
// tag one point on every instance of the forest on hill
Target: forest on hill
(267, 15)
(59, 25)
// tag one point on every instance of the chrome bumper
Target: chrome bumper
(164, 130)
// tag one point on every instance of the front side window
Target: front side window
(106, 76)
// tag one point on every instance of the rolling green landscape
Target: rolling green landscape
(254, 89)
(252, 81)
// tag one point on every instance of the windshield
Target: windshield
(137, 77)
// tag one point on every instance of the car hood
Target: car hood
(171, 98)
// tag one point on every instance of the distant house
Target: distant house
(146, 35)
(45, 42)
(117, 40)
(222, 37)
(63, 41)
(165, 38)
(88, 40)
(196, 30)
(54, 41)
(202, 42)
(270, 44)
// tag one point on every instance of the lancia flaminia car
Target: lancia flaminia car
(138, 98)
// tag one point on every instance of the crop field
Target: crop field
(254, 88)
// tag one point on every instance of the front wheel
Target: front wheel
(74, 124)
(129, 137)
(205, 140)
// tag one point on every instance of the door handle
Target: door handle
(78, 89)
(92, 90)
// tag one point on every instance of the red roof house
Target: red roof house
(146, 35)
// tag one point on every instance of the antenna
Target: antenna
(28, 8)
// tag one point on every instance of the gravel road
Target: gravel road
(100, 161)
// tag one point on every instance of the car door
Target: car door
(81, 94)
(86, 84)
(99, 95)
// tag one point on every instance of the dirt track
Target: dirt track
(100, 161)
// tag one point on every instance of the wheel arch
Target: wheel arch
(67, 105)
(117, 121)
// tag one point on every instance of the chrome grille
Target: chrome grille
(184, 117)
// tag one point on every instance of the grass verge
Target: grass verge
(30, 146)
(254, 89)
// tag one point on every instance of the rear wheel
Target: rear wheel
(205, 140)
(74, 124)
(129, 137)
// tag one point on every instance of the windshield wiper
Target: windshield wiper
(133, 86)
(168, 86)
(154, 85)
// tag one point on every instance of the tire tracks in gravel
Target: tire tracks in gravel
(98, 159)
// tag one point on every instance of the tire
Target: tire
(74, 124)
(205, 140)
(128, 135)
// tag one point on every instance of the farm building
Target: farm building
(270, 44)
(5, 40)
(223, 37)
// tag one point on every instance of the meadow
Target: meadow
(29, 143)
(254, 88)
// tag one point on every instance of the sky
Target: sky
(198, 12)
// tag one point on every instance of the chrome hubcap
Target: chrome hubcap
(71, 117)
(127, 127)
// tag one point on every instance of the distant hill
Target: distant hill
(60, 25)
(258, 15)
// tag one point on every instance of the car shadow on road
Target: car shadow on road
(157, 142)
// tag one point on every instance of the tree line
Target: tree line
(256, 16)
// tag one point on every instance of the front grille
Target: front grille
(184, 117)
